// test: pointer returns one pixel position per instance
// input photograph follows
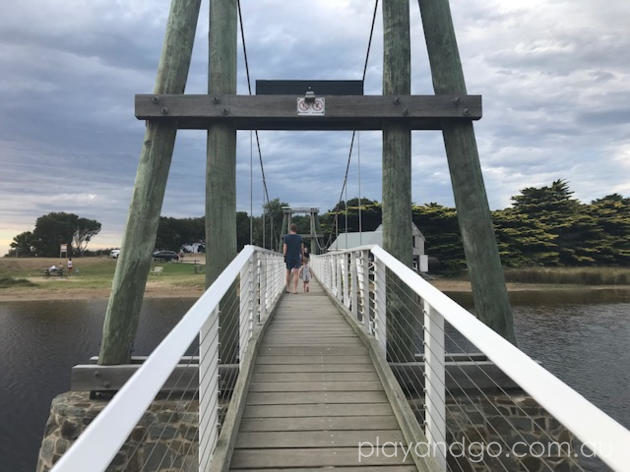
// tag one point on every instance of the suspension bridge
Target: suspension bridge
(375, 369)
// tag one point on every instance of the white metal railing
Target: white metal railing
(260, 274)
(363, 278)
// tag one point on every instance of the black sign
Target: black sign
(300, 87)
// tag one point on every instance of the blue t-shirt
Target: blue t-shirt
(294, 246)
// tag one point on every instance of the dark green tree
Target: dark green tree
(175, 232)
(85, 230)
(577, 233)
(439, 226)
(612, 214)
(524, 241)
(53, 230)
(22, 245)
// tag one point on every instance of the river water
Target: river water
(585, 344)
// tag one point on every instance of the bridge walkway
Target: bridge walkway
(315, 395)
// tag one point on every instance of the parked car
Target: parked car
(114, 254)
(165, 256)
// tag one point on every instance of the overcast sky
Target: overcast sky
(554, 75)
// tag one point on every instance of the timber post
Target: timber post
(221, 170)
(397, 237)
(492, 305)
(134, 262)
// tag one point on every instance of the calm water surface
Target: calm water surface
(586, 345)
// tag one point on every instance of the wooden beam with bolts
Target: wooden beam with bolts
(280, 112)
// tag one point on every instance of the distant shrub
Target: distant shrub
(570, 275)
(6, 282)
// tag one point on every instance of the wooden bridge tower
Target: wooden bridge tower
(314, 230)
(221, 112)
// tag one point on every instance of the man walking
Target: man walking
(293, 250)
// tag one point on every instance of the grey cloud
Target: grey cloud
(67, 129)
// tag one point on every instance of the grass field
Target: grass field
(91, 278)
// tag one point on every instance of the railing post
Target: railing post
(379, 329)
(253, 299)
(262, 293)
(280, 269)
(208, 389)
(434, 378)
(345, 280)
(354, 281)
(333, 275)
(246, 315)
(363, 283)
(339, 278)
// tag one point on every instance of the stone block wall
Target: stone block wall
(511, 423)
(165, 439)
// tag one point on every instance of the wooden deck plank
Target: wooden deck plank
(315, 377)
(307, 439)
(315, 386)
(275, 350)
(315, 396)
(323, 360)
(322, 423)
(329, 368)
(316, 457)
(295, 341)
(327, 409)
(303, 398)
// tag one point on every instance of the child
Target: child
(305, 274)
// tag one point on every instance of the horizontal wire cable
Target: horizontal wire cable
(188, 391)
(493, 381)
(490, 402)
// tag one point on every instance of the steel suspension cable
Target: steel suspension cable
(354, 132)
(249, 89)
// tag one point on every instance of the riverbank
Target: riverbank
(92, 279)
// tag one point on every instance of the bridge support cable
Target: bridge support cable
(354, 133)
(464, 382)
(260, 158)
(167, 414)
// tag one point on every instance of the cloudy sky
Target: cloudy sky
(554, 75)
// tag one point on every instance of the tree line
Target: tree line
(51, 231)
(544, 226)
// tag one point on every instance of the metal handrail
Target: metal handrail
(95, 448)
(607, 438)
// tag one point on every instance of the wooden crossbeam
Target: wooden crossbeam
(279, 112)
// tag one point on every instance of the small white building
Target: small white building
(351, 240)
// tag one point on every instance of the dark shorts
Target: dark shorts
(293, 264)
